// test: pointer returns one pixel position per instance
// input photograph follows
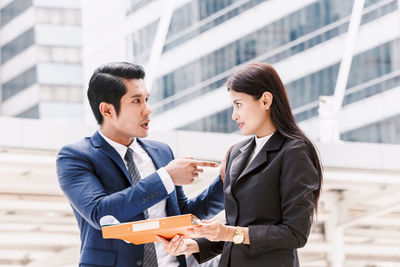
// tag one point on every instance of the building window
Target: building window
(378, 64)
(59, 54)
(31, 113)
(372, 72)
(260, 42)
(58, 16)
(19, 83)
(61, 93)
(13, 9)
(137, 4)
(199, 16)
(386, 131)
(142, 42)
(219, 122)
(270, 44)
(17, 45)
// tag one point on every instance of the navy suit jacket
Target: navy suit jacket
(96, 182)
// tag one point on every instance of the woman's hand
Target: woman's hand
(178, 246)
(213, 230)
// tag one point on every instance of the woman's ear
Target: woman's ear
(267, 99)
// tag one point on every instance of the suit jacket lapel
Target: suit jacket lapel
(273, 144)
(240, 161)
(160, 161)
(153, 152)
(109, 151)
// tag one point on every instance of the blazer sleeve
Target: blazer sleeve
(87, 196)
(298, 181)
(208, 249)
(207, 204)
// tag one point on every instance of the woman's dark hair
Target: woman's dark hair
(106, 85)
(257, 78)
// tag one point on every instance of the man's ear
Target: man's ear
(107, 110)
(267, 99)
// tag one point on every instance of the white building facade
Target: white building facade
(40, 59)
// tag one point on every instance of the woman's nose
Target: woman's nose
(234, 116)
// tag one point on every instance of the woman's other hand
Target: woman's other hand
(213, 230)
(178, 245)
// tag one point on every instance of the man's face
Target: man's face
(134, 115)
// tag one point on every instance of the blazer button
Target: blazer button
(144, 200)
(139, 262)
(156, 194)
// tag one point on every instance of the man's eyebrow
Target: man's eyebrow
(236, 100)
(137, 95)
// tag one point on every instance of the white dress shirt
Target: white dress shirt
(146, 167)
(260, 142)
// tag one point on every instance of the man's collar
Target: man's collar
(120, 148)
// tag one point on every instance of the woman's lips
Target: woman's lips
(240, 125)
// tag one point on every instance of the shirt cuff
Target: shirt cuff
(166, 179)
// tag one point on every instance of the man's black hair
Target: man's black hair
(106, 85)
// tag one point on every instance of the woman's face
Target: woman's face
(251, 115)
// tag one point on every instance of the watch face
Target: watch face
(238, 239)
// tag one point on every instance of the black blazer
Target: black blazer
(273, 196)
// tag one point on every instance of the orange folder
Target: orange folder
(145, 231)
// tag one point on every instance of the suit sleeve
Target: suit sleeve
(299, 180)
(207, 204)
(86, 194)
(208, 249)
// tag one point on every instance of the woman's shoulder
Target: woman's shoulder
(297, 146)
(241, 144)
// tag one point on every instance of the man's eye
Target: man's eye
(147, 99)
(238, 105)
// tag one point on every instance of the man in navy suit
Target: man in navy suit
(116, 173)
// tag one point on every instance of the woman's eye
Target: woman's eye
(136, 101)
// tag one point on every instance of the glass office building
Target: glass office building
(302, 39)
(40, 59)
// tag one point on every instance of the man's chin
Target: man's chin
(144, 134)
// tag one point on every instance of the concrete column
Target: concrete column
(328, 120)
(348, 51)
(333, 233)
(330, 106)
(159, 41)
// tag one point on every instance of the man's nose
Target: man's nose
(147, 110)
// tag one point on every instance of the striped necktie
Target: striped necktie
(150, 256)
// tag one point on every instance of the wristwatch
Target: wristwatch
(238, 238)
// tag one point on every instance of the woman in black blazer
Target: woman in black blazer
(272, 182)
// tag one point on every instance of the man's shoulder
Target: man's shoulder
(79, 147)
(153, 143)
